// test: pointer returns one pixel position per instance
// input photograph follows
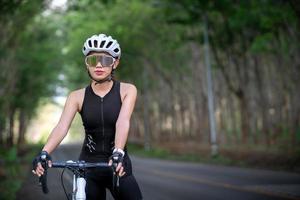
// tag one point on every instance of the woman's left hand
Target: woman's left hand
(119, 170)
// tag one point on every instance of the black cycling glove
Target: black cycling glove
(117, 156)
(42, 157)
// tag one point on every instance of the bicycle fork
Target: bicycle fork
(79, 184)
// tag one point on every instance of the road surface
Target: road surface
(171, 180)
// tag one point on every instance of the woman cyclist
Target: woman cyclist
(105, 107)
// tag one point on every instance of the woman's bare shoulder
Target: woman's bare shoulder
(128, 87)
(77, 93)
(76, 97)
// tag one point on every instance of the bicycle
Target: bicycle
(78, 169)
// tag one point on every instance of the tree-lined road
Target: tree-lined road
(166, 180)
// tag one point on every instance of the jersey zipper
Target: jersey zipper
(102, 123)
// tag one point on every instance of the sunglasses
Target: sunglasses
(105, 61)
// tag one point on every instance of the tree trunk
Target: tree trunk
(22, 128)
(263, 104)
(244, 115)
(2, 127)
(10, 138)
(146, 117)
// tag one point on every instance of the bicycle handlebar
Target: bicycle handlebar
(79, 165)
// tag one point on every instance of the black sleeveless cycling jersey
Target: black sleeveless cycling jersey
(99, 116)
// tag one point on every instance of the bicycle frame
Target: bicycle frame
(78, 169)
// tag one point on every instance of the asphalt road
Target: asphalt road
(170, 180)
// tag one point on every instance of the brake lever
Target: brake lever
(43, 178)
(116, 178)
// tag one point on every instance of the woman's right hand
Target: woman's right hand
(37, 167)
(39, 170)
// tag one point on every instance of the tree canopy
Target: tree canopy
(255, 48)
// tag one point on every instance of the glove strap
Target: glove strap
(119, 151)
(45, 156)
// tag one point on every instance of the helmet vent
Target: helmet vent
(84, 48)
(108, 45)
(102, 43)
(95, 43)
(116, 50)
(90, 43)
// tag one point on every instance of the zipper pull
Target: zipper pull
(101, 99)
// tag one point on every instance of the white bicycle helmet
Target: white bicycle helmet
(102, 43)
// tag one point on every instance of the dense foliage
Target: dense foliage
(254, 47)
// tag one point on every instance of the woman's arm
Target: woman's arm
(67, 116)
(128, 94)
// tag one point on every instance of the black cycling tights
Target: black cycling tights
(98, 181)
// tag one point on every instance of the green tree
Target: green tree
(30, 65)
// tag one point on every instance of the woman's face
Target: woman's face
(100, 65)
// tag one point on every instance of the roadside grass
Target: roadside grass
(228, 156)
(14, 165)
(161, 153)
